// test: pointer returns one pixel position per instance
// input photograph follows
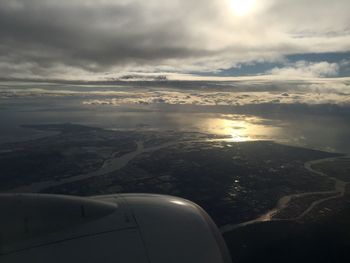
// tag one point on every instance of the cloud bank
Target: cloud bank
(236, 94)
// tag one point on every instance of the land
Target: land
(265, 196)
(73, 151)
(298, 205)
(339, 168)
(321, 235)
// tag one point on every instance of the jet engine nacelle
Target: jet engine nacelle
(123, 228)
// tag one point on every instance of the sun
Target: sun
(242, 7)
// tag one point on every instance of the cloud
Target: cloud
(304, 69)
(81, 39)
(235, 93)
(222, 99)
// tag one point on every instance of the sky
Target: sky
(108, 39)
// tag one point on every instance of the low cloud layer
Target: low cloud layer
(327, 92)
(222, 99)
(94, 40)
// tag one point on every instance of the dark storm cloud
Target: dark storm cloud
(88, 36)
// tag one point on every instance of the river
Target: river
(339, 191)
(110, 165)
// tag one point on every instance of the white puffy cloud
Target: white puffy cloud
(304, 69)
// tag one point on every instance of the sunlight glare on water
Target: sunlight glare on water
(241, 128)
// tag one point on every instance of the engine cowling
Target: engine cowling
(114, 228)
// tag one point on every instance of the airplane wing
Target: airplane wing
(123, 228)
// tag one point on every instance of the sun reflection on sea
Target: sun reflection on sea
(241, 128)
